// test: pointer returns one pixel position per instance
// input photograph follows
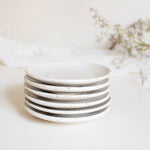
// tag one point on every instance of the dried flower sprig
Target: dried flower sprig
(132, 41)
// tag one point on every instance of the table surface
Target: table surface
(126, 126)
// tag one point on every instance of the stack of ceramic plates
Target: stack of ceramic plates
(67, 92)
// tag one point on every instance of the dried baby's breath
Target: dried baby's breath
(131, 41)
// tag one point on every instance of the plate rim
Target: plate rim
(66, 97)
(69, 89)
(69, 81)
(59, 104)
(59, 111)
(65, 120)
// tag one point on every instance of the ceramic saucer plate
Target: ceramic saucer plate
(65, 118)
(68, 110)
(67, 89)
(69, 73)
(63, 96)
(63, 104)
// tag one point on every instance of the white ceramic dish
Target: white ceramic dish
(68, 110)
(61, 104)
(61, 73)
(65, 118)
(67, 89)
(62, 96)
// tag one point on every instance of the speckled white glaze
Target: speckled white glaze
(66, 118)
(68, 110)
(67, 96)
(54, 88)
(69, 104)
(61, 73)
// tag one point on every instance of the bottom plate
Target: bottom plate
(65, 118)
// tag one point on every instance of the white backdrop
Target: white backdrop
(64, 22)
(24, 26)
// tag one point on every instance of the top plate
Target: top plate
(61, 73)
